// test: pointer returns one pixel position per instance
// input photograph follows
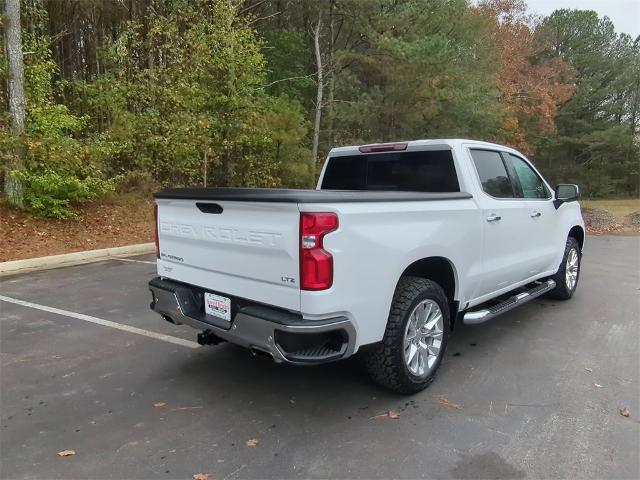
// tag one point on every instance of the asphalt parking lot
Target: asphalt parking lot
(535, 393)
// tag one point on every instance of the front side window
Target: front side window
(531, 183)
(493, 173)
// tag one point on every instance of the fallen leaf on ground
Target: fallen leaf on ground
(624, 412)
(200, 476)
(597, 385)
(445, 402)
(66, 453)
(390, 414)
(252, 442)
(159, 404)
(588, 369)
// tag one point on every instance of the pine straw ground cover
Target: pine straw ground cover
(612, 216)
(121, 220)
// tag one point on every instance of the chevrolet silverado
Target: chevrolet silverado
(397, 244)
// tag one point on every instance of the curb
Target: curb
(76, 258)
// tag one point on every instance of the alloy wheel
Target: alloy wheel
(423, 338)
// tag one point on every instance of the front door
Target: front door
(537, 200)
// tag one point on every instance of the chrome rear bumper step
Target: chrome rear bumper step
(286, 337)
(479, 316)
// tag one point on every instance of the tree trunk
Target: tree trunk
(13, 41)
(332, 73)
(205, 164)
(316, 124)
(228, 167)
(634, 109)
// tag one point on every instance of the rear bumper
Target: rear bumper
(286, 336)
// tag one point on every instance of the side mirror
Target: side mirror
(566, 192)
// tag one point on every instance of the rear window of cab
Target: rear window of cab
(425, 171)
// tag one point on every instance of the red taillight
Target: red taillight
(155, 214)
(383, 147)
(316, 264)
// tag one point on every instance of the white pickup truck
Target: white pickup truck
(398, 243)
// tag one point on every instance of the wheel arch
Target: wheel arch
(577, 232)
(442, 271)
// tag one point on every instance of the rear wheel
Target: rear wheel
(568, 273)
(407, 359)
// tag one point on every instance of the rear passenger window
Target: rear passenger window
(493, 173)
(532, 185)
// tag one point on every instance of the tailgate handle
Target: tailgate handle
(209, 207)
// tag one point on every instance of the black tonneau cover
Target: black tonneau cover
(304, 196)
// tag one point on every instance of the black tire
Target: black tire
(385, 362)
(562, 290)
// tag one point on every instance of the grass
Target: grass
(619, 208)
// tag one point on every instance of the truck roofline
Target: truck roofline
(427, 144)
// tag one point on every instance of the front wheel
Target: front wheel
(415, 339)
(568, 274)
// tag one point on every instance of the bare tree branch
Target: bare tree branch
(259, 19)
(288, 79)
(251, 7)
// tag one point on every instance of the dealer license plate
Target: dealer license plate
(217, 306)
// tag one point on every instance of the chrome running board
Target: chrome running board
(479, 316)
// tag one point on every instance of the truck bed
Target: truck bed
(280, 195)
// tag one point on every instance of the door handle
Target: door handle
(535, 214)
(493, 218)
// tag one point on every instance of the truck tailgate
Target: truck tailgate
(244, 249)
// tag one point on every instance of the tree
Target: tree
(13, 44)
(319, 91)
(203, 105)
(250, 92)
(597, 142)
(532, 88)
(414, 70)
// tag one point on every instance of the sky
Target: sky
(625, 14)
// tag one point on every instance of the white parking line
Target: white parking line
(106, 323)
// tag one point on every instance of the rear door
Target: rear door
(505, 224)
(243, 249)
